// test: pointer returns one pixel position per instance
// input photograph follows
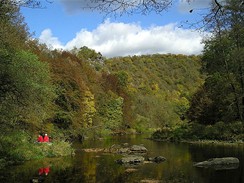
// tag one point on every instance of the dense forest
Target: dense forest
(79, 93)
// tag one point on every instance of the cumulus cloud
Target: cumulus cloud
(121, 39)
(48, 38)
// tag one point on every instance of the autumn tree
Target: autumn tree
(23, 3)
(25, 87)
(13, 32)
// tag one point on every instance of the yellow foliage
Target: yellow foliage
(89, 109)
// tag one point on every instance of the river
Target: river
(91, 167)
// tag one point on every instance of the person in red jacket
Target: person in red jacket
(46, 138)
(40, 138)
(46, 170)
(40, 171)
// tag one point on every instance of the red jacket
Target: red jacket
(46, 138)
(40, 171)
(46, 170)
(40, 139)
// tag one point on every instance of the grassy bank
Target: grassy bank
(18, 147)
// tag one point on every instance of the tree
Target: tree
(106, 6)
(88, 54)
(119, 7)
(23, 3)
(26, 91)
(128, 6)
(224, 64)
(13, 32)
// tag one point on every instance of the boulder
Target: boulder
(131, 160)
(123, 150)
(157, 159)
(219, 163)
(125, 144)
(114, 149)
(138, 149)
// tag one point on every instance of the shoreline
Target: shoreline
(204, 142)
(215, 142)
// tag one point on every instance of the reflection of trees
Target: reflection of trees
(96, 167)
(28, 170)
(201, 152)
(88, 169)
(83, 170)
(112, 172)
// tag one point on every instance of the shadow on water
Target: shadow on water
(101, 167)
(201, 152)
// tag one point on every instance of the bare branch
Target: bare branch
(120, 7)
(26, 3)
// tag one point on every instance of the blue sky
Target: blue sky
(63, 24)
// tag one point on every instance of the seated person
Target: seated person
(40, 138)
(46, 138)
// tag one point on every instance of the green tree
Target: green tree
(13, 32)
(111, 112)
(156, 88)
(88, 54)
(224, 64)
(26, 89)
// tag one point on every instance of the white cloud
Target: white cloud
(48, 38)
(121, 39)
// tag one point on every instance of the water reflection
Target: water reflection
(91, 167)
(42, 173)
(201, 152)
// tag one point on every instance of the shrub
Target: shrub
(197, 131)
(236, 127)
(211, 132)
(219, 131)
(141, 124)
(163, 134)
(181, 131)
(19, 146)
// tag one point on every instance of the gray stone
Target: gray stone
(123, 150)
(138, 149)
(131, 160)
(157, 159)
(125, 144)
(219, 163)
(114, 148)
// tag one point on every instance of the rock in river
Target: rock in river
(138, 149)
(157, 159)
(225, 163)
(131, 160)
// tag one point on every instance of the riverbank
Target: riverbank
(18, 147)
(215, 142)
(92, 164)
(219, 133)
(205, 142)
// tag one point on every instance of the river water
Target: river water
(99, 167)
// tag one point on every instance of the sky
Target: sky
(64, 24)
